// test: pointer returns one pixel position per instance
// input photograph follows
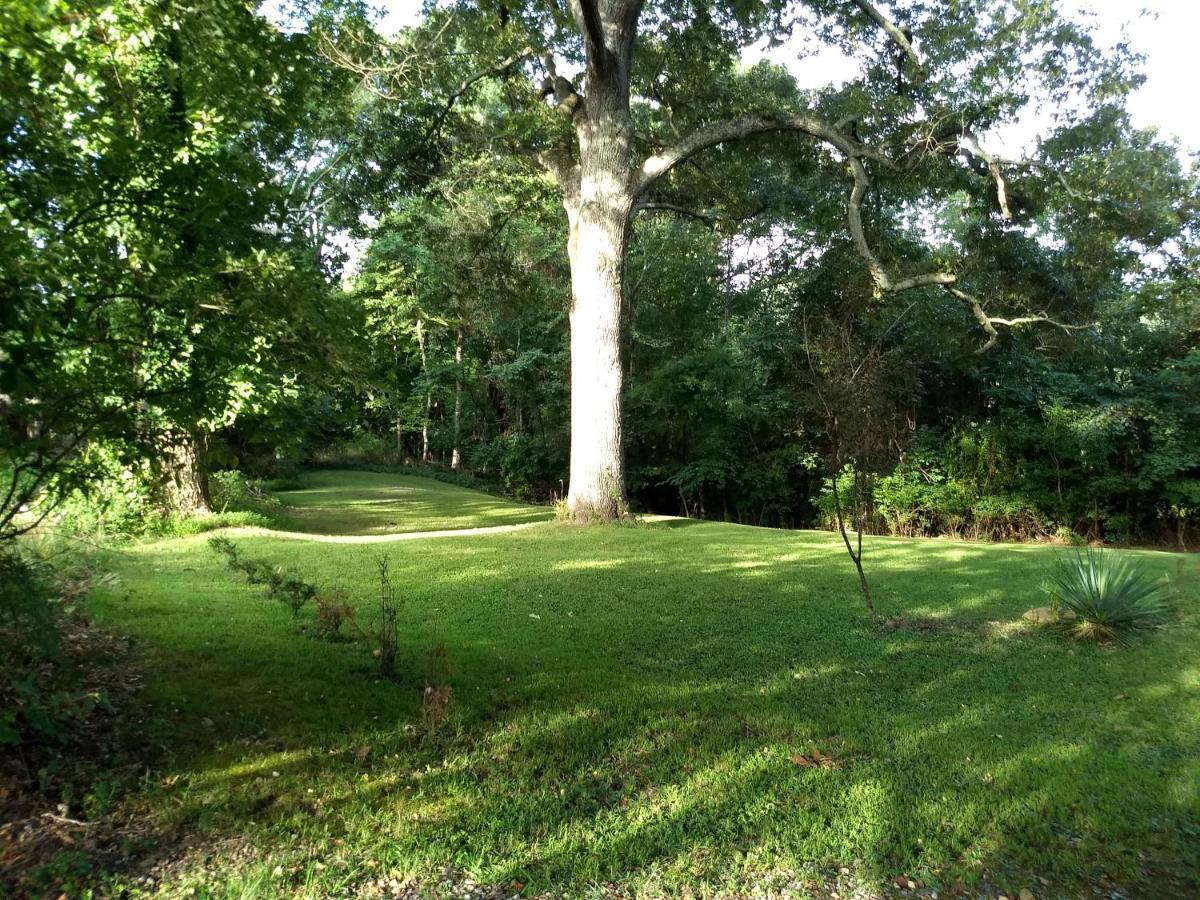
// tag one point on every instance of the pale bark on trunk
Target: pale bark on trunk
(455, 456)
(600, 184)
(599, 194)
(598, 235)
(399, 417)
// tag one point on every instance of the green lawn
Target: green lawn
(352, 502)
(628, 702)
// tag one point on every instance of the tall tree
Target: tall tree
(642, 88)
(154, 288)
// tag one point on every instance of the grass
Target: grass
(677, 704)
(356, 502)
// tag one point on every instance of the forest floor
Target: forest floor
(639, 710)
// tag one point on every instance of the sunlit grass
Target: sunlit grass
(354, 502)
(628, 703)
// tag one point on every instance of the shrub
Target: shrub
(282, 484)
(1110, 595)
(1119, 529)
(288, 587)
(361, 448)
(233, 492)
(185, 526)
(1007, 518)
(874, 523)
(923, 503)
(116, 505)
(278, 583)
(1068, 535)
(41, 702)
(386, 632)
(333, 611)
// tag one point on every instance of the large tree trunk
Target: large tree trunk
(183, 485)
(455, 456)
(599, 205)
(597, 251)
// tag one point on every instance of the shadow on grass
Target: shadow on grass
(630, 709)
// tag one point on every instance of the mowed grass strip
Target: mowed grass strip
(680, 704)
(357, 502)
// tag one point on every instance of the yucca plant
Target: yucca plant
(1110, 595)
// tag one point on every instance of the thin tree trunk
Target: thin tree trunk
(428, 393)
(399, 387)
(455, 456)
(856, 557)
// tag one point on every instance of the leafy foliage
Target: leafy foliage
(277, 582)
(1110, 595)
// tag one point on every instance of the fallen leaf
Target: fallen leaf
(815, 759)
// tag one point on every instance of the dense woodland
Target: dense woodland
(182, 180)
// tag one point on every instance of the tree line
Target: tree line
(604, 260)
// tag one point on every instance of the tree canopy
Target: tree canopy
(605, 256)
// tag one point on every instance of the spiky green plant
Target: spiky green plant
(1110, 595)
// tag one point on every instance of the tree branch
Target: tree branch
(894, 32)
(587, 17)
(969, 142)
(559, 163)
(494, 72)
(707, 136)
(945, 280)
(708, 218)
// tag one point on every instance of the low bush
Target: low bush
(33, 707)
(924, 503)
(118, 505)
(47, 706)
(333, 607)
(333, 611)
(282, 484)
(278, 583)
(186, 526)
(1005, 517)
(1070, 536)
(1109, 595)
(362, 448)
(385, 633)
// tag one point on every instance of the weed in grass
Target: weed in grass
(435, 705)
(386, 632)
(292, 590)
(334, 610)
(278, 583)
